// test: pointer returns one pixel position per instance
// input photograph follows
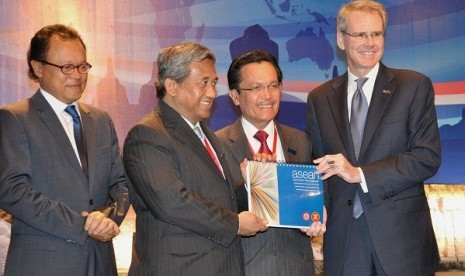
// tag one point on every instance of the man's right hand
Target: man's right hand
(250, 224)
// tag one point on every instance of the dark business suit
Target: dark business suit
(186, 211)
(278, 251)
(43, 186)
(400, 149)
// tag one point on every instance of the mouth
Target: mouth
(74, 86)
(265, 105)
(207, 103)
(368, 51)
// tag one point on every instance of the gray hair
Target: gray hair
(173, 62)
(360, 5)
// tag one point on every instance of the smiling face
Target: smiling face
(66, 88)
(362, 54)
(193, 98)
(257, 107)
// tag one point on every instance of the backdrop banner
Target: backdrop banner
(124, 37)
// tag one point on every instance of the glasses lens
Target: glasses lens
(84, 68)
(67, 69)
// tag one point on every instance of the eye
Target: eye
(204, 83)
(68, 67)
(377, 34)
(361, 35)
(256, 88)
(214, 83)
(274, 86)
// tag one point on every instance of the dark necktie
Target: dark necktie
(358, 117)
(261, 137)
(78, 136)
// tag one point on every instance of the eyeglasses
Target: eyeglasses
(364, 35)
(273, 87)
(67, 69)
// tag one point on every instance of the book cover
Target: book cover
(287, 195)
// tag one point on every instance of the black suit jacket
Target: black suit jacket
(45, 189)
(400, 149)
(278, 251)
(186, 211)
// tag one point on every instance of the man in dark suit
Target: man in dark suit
(66, 190)
(186, 208)
(379, 221)
(255, 81)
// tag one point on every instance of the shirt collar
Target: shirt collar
(57, 105)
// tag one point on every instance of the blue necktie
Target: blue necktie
(358, 117)
(78, 136)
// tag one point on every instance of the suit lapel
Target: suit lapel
(184, 133)
(287, 144)
(53, 124)
(90, 137)
(382, 93)
(238, 141)
(219, 152)
(338, 104)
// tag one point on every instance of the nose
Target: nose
(211, 91)
(75, 74)
(370, 40)
(266, 92)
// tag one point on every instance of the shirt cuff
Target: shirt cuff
(363, 184)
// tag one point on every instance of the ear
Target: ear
(171, 86)
(340, 40)
(37, 68)
(234, 95)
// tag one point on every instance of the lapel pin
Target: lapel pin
(291, 151)
(386, 91)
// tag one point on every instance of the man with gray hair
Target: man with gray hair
(375, 138)
(181, 191)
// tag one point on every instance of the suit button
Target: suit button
(91, 202)
(349, 202)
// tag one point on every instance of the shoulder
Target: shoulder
(21, 107)
(93, 111)
(223, 133)
(403, 75)
(287, 130)
(231, 132)
(151, 124)
(328, 86)
(20, 112)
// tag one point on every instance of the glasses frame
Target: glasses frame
(260, 88)
(69, 66)
(365, 35)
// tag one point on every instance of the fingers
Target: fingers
(263, 157)
(100, 227)
(316, 229)
(337, 164)
(250, 224)
(330, 165)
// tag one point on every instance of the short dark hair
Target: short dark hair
(173, 62)
(40, 43)
(255, 56)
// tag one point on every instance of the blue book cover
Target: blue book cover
(287, 195)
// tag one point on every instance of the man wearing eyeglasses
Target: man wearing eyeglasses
(375, 139)
(61, 174)
(255, 83)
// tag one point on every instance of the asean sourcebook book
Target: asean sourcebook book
(287, 195)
